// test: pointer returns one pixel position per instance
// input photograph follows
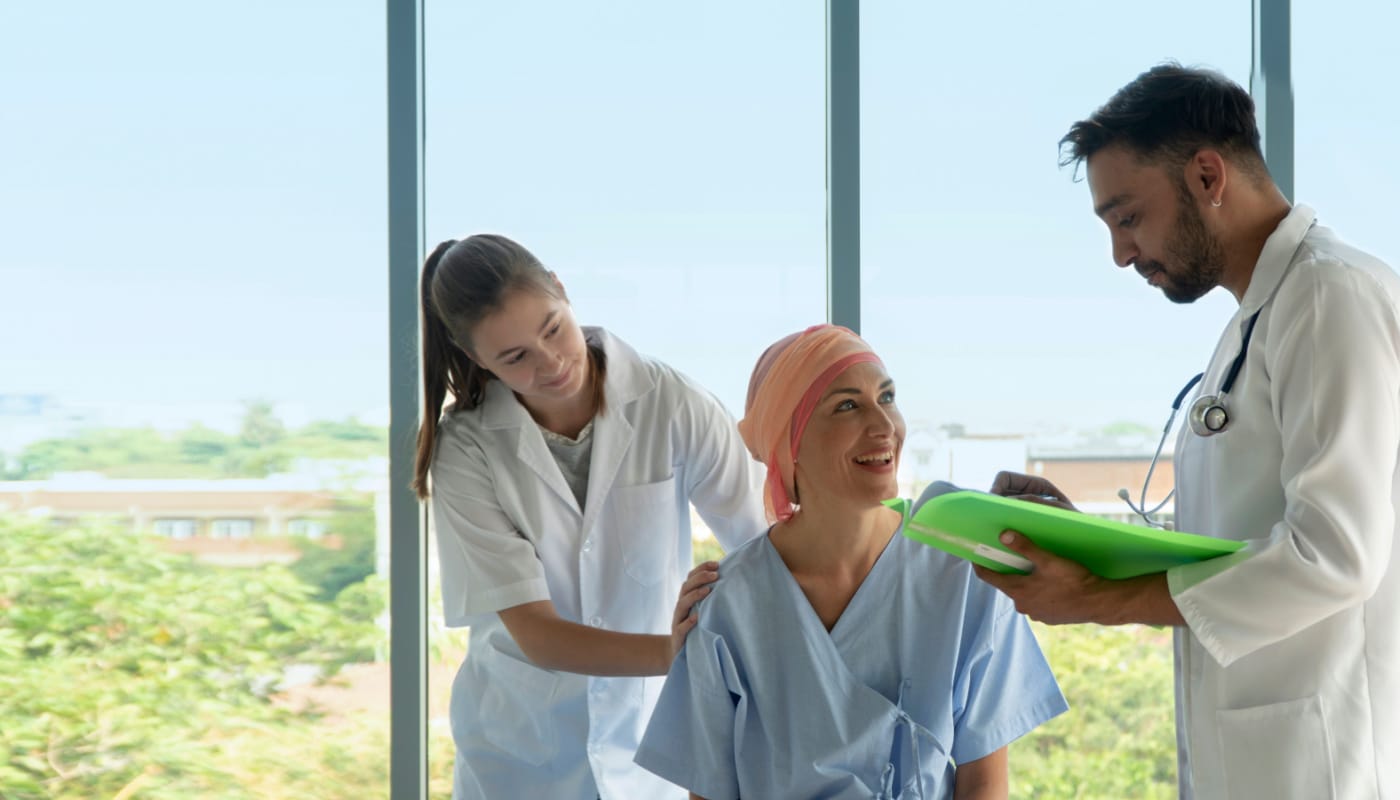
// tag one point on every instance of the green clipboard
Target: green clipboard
(967, 524)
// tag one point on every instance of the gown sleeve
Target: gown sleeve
(690, 739)
(1005, 689)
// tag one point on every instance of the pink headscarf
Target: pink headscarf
(784, 389)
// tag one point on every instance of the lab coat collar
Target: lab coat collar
(1274, 259)
(626, 377)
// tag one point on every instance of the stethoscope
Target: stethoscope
(1209, 415)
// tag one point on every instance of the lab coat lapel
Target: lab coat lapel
(612, 438)
(623, 382)
(505, 413)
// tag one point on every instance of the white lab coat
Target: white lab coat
(510, 531)
(1288, 674)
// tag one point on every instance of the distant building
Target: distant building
(949, 453)
(234, 522)
(1091, 471)
(1089, 468)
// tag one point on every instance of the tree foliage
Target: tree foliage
(125, 669)
(261, 447)
(332, 568)
(1118, 739)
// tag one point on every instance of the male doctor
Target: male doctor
(1288, 651)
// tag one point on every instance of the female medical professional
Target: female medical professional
(562, 478)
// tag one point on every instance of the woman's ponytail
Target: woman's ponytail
(440, 355)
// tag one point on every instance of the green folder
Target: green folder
(968, 524)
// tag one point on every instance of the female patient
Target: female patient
(836, 658)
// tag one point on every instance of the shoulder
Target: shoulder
(948, 583)
(746, 576)
(634, 376)
(460, 432)
(943, 572)
(1325, 267)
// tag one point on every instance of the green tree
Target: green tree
(112, 451)
(1128, 429)
(201, 445)
(263, 446)
(261, 427)
(1118, 739)
(123, 667)
(331, 569)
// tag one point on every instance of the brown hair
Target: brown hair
(463, 283)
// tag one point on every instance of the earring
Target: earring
(1215, 203)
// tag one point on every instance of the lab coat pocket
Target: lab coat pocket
(1280, 751)
(516, 710)
(647, 526)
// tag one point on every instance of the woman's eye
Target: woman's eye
(552, 331)
(887, 396)
(1127, 221)
(845, 405)
(516, 359)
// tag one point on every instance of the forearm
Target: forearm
(555, 643)
(983, 779)
(1144, 600)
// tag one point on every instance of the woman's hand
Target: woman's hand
(696, 586)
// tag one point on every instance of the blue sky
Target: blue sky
(192, 195)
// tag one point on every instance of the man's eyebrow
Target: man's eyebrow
(1111, 203)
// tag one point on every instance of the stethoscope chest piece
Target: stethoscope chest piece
(1209, 415)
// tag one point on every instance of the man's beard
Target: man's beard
(1200, 254)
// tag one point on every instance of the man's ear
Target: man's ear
(1206, 176)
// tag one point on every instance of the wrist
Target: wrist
(1141, 600)
(663, 654)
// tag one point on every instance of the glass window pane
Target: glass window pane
(988, 286)
(192, 250)
(666, 161)
(1346, 160)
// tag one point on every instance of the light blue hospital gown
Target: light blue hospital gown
(927, 667)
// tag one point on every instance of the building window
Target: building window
(231, 529)
(310, 528)
(177, 528)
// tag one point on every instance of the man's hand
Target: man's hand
(1057, 591)
(1061, 592)
(696, 586)
(1032, 488)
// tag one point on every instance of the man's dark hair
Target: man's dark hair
(1166, 115)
